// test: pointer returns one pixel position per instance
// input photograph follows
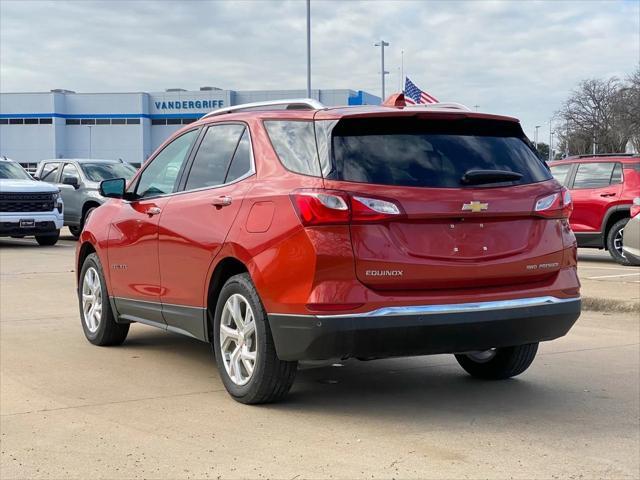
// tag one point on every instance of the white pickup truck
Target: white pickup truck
(28, 207)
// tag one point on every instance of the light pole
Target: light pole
(89, 127)
(535, 137)
(550, 146)
(382, 44)
(476, 107)
(402, 70)
(308, 48)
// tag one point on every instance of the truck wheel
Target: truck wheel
(75, 231)
(614, 242)
(98, 322)
(245, 354)
(498, 363)
(49, 239)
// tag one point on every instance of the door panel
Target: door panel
(592, 195)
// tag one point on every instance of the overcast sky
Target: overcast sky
(517, 57)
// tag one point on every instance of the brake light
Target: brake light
(556, 205)
(635, 207)
(334, 207)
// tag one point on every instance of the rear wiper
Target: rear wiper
(478, 177)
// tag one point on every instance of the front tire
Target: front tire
(614, 242)
(75, 231)
(49, 239)
(498, 363)
(245, 353)
(98, 322)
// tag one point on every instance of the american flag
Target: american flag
(413, 95)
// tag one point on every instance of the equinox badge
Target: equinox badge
(475, 206)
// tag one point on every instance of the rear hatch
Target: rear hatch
(465, 190)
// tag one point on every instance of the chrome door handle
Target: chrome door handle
(220, 202)
(151, 211)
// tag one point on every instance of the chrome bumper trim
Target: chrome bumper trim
(444, 309)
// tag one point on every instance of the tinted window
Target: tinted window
(13, 171)
(421, 153)
(214, 154)
(616, 176)
(69, 171)
(295, 144)
(241, 163)
(560, 172)
(49, 172)
(593, 175)
(160, 176)
(96, 172)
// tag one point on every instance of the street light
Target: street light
(89, 127)
(382, 44)
(535, 137)
(308, 48)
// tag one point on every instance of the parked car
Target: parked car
(314, 233)
(28, 207)
(602, 188)
(78, 180)
(631, 238)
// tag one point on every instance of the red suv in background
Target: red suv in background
(603, 188)
(289, 231)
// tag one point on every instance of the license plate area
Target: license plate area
(27, 223)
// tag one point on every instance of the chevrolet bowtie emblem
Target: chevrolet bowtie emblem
(475, 206)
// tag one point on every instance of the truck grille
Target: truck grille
(26, 202)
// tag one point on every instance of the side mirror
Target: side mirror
(73, 181)
(113, 187)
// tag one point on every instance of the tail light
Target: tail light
(335, 207)
(556, 205)
(635, 207)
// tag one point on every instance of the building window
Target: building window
(73, 121)
(103, 121)
(46, 121)
(16, 121)
(159, 121)
(118, 121)
(187, 121)
(174, 121)
(4, 121)
(88, 121)
(30, 121)
(133, 121)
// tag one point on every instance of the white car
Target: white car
(28, 207)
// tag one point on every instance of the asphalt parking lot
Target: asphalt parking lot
(156, 408)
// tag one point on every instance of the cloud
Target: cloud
(518, 58)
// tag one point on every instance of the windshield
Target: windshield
(96, 172)
(13, 171)
(417, 152)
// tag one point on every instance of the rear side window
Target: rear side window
(422, 153)
(560, 173)
(594, 175)
(241, 163)
(214, 154)
(295, 144)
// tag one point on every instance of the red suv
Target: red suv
(288, 231)
(603, 188)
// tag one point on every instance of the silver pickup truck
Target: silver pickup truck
(28, 207)
(78, 180)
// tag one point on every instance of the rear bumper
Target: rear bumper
(423, 330)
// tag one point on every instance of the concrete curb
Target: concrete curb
(596, 304)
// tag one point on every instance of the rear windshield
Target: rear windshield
(416, 152)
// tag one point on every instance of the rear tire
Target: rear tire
(504, 363)
(48, 240)
(98, 323)
(247, 361)
(75, 231)
(614, 242)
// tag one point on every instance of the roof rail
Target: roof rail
(289, 104)
(441, 106)
(587, 155)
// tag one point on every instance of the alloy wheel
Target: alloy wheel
(238, 339)
(92, 299)
(482, 356)
(618, 241)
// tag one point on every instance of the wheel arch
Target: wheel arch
(85, 208)
(84, 251)
(613, 215)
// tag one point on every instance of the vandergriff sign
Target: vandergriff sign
(188, 102)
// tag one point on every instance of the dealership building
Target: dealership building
(127, 126)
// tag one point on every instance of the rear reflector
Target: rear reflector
(335, 207)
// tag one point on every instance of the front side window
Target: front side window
(49, 172)
(96, 172)
(161, 175)
(295, 144)
(69, 171)
(594, 175)
(560, 173)
(212, 160)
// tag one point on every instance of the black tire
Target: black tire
(506, 363)
(48, 239)
(108, 332)
(271, 378)
(613, 232)
(75, 230)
